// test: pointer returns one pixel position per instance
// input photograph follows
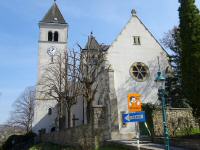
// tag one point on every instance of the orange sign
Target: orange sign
(134, 102)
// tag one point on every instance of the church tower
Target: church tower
(53, 37)
(52, 40)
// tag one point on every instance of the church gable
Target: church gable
(134, 59)
(135, 35)
(135, 45)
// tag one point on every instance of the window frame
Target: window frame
(50, 111)
(136, 40)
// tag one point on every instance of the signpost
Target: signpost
(136, 114)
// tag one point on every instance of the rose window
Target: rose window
(139, 71)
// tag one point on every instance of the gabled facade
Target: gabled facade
(134, 59)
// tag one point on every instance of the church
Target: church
(133, 64)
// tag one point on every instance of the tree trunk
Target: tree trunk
(89, 109)
(27, 129)
(69, 118)
(62, 116)
(62, 122)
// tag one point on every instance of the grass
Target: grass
(112, 148)
(195, 131)
(188, 132)
(49, 146)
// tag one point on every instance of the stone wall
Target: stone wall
(85, 136)
(179, 119)
(79, 136)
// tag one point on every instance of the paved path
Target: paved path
(144, 145)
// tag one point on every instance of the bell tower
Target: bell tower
(53, 37)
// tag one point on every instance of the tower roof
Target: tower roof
(92, 43)
(54, 15)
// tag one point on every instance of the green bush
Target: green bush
(17, 142)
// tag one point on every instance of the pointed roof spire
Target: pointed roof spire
(92, 43)
(54, 15)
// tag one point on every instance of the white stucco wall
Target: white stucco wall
(123, 53)
(77, 110)
(43, 58)
(41, 117)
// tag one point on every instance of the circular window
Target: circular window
(139, 71)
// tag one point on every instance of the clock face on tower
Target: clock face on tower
(51, 50)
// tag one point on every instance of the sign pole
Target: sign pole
(138, 135)
(135, 113)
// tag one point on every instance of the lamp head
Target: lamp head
(160, 77)
(160, 80)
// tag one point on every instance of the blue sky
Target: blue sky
(106, 18)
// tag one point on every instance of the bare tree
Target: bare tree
(92, 67)
(59, 82)
(73, 88)
(22, 115)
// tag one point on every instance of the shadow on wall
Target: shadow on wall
(49, 123)
(147, 89)
(45, 124)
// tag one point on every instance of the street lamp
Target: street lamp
(160, 80)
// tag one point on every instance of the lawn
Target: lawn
(49, 146)
(112, 148)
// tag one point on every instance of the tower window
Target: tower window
(50, 36)
(49, 111)
(56, 36)
(136, 40)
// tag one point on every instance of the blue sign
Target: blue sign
(134, 117)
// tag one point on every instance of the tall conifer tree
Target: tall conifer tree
(190, 45)
(173, 84)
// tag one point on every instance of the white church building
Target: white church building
(133, 60)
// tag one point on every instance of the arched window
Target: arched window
(49, 111)
(56, 36)
(50, 36)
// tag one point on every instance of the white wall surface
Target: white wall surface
(41, 117)
(123, 53)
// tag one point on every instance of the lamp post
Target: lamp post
(160, 80)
